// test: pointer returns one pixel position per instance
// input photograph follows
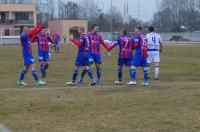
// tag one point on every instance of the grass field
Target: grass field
(169, 105)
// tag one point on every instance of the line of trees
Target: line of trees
(178, 15)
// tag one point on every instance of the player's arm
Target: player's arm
(103, 43)
(114, 44)
(77, 43)
(36, 30)
(35, 39)
(161, 45)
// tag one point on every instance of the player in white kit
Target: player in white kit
(154, 50)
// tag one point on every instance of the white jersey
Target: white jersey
(153, 41)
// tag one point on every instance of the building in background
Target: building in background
(15, 15)
(67, 27)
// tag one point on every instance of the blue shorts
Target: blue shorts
(28, 60)
(56, 42)
(43, 56)
(139, 61)
(95, 58)
(125, 61)
(82, 60)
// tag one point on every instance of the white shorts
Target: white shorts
(153, 56)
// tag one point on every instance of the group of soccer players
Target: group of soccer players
(43, 40)
(135, 51)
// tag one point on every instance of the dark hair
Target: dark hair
(151, 29)
(21, 29)
(93, 26)
(125, 31)
(139, 27)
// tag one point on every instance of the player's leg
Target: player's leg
(90, 74)
(144, 65)
(156, 62)
(34, 73)
(46, 63)
(157, 70)
(149, 61)
(98, 62)
(132, 72)
(146, 74)
(74, 76)
(40, 60)
(58, 49)
(22, 76)
(120, 73)
(87, 62)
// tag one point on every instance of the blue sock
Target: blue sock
(89, 71)
(146, 74)
(83, 73)
(22, 75)
(75, 74)
(34, 73)
(98, 73)
(132, 74)
(120, 75)
(134, 71)
(42, 68)
(46, 66)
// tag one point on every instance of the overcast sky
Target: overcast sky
(146, 10)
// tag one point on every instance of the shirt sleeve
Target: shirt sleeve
(103, 43)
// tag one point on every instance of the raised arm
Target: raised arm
(77, 43)
(36, 30)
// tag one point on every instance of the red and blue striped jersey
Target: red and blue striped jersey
(126, 45)
(43, 42)
(140, 41)
(26, 45)
(84, 47)
(56, 38)
(95, 42)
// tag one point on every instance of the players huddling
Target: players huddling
(134, 52)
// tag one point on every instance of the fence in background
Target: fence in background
(11, 36)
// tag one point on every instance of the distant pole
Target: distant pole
(111, 18)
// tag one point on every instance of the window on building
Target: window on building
(22, 15)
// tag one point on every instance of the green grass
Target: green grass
(168, 105)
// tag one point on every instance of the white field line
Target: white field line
(90, 87)
(4, 129)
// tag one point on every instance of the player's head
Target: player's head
(151, 29)
(125, 31)
(43, 32)
(95, 28)
(138, 29)
(81, 30)
(24, 29)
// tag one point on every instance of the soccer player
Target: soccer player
(126, 46)
(65, 39)
(154, 43)
(43, 41)
(29, 62)
(82, 59)
(95, 42)
(140, 55)
(56, 39)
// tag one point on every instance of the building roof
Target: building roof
(18, 7)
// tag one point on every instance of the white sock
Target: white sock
(157, 69)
